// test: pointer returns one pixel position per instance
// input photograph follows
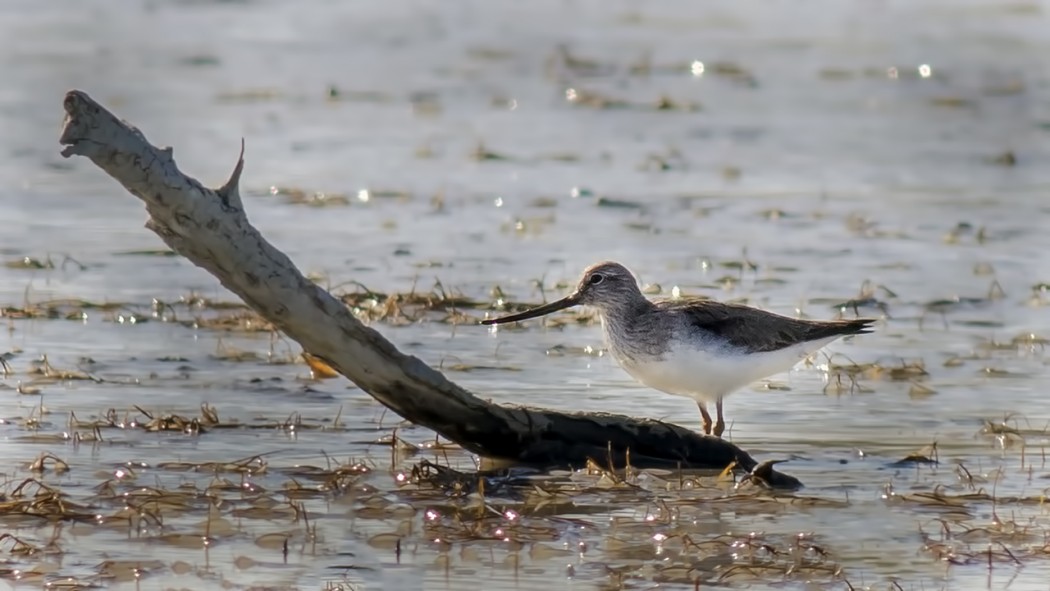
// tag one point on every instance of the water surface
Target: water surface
(489, 144)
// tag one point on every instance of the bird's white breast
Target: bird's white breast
(709, 374)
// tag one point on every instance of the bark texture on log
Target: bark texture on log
(210, 228)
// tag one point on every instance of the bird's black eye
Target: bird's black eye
(596, 278)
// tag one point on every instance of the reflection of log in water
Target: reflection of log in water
(211, 228)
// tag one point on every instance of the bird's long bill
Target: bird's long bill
(566, 302)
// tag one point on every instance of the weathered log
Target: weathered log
(211, 229)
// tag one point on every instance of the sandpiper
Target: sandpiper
(700, 349)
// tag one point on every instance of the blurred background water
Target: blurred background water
(485, 144)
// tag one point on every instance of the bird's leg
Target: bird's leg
(706, 418)
(720, 424)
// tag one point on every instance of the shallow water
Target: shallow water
(828, 143)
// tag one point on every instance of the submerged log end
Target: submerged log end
(572, 439)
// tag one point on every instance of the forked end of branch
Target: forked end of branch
(80, 110)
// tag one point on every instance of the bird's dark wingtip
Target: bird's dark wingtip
(861, 325)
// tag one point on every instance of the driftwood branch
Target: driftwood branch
(211, 229)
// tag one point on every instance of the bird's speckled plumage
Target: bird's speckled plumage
(693, 347)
